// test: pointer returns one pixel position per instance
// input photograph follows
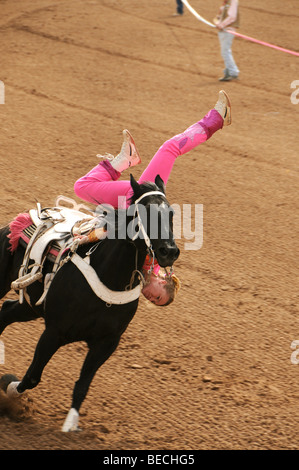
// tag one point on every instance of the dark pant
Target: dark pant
(180, 7)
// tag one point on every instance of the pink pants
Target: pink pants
(99, 186)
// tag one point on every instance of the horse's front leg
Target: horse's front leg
(98, 353)
(47, 345)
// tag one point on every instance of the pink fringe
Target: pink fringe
(20, 223)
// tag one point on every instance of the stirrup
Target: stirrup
(26, 280)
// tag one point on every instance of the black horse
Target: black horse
(72, 311)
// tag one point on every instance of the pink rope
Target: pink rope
(263, 43)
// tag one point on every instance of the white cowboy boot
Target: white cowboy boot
(128, 156)
(223, 107)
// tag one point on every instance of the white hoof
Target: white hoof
(71, 422)
(12, 391)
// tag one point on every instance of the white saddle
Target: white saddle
(64, 219)
(58, 225)
(52, 225)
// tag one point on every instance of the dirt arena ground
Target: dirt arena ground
(214, 370)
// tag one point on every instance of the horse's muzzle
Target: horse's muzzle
(166, 255)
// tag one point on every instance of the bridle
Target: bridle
(140, 225)
(142, 230)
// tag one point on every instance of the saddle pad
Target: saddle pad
(42, 243)
(28, 233)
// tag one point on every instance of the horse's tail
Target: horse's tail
(16, 227)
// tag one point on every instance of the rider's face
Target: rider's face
(155, 291)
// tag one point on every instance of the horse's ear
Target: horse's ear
(160, 183)
(135, 186)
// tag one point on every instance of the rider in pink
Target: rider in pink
(99, 186)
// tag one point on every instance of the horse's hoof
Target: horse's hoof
(6, 379)
(71, 421)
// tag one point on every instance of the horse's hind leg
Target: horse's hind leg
(12, 311)
(47, 345)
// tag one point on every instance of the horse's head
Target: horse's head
(153, 220)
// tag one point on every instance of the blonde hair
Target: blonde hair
(172, 285)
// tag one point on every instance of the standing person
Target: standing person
(179, 7)
(228, 19)
(100, 185)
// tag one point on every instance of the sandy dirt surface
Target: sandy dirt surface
(214, 370)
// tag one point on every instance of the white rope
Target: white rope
(200, 18)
